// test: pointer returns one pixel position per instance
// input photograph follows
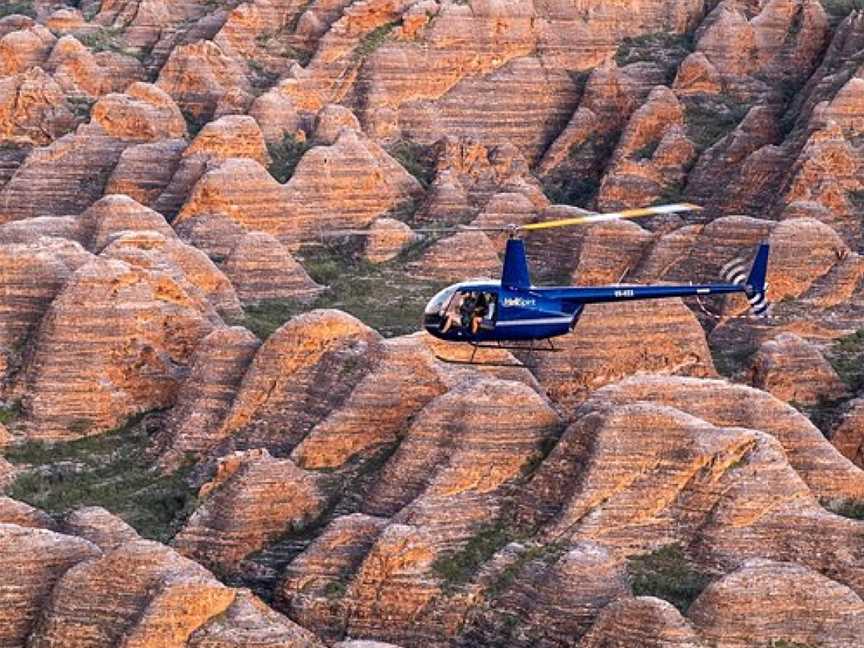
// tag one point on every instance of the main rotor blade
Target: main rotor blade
(601, 218)
(420, 230)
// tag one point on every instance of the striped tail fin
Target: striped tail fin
(754, 283)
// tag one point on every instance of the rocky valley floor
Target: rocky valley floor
(219, 426)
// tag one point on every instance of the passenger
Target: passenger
(453, 313)
(480, 311)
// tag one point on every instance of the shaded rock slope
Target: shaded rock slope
(220, 427)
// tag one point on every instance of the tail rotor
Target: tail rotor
(735, 272)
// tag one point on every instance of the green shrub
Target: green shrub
(285, 156)
(665, 49)
(841, 8)
(459, 567)
(416, 159)
(853, 509)
(667, 574)
(10, 412)
(113, 470)
(24, 8)
(846, 355)
(709, 119)
(373, 40)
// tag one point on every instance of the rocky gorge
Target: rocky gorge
(221, 427)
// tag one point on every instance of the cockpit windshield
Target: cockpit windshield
(439, 302)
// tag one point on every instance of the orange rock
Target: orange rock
(252, 505)
(323, 568)
(33, 561)
(387, 239)
(276, 114)
(217, 367)
(116, 214)
(23, 515)
(143, 113)
(190, 268)
(32, 275)
(582, 581)
(248, 622)
(609, 252)
(644, 621)
(794, 370)
(697, 75)
(144, 171)
(848, 436)
(100, 527)
(234, 136)
(375, 414)
(125, 353)
(79, 71)
(65, 20)
(143, 591)
(33, 108)
(827, 473)
(23, 49)
(305, 370)
(260, 268)
(348, 184)
(652, 154)
(197, 75)
(796, 605)
(465, 255)
(483, 459)
(616, 340)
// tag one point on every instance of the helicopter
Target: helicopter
(514, 314)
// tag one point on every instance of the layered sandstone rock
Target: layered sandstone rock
(848, 436)
(643, 621)
(144, 171)
(116, 214)
(387, 239)
(553, 604)
(33, 560)
(824, 470)
(23, 515)
(82, 73)
(143, 113)
(794, 370)
(193, 271)
(96, 525)
(249, 622)
(305, 370)
(652, 154)
(253, 500)
(199, 74)
(261, 269)
(217, 367)
(616, 340)
(33, 108)
(796, 605)
(143, 591)
(314, 583)
(24, 48)
(347, 184)
(466, 255)
(125, 353)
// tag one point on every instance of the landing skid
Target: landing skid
(503, 345)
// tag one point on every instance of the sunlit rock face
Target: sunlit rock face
(214, 215)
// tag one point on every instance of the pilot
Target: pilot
(453, 314)
(469, 304)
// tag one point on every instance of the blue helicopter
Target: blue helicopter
(514, 314)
